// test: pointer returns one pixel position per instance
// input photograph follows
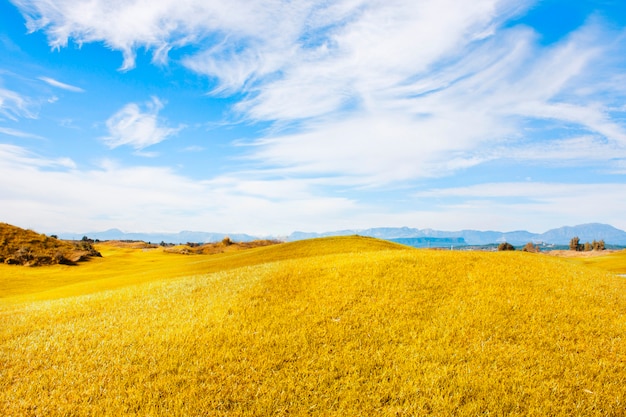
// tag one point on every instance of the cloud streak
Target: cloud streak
(18, 133)
(14, 105)
(63, 86)
(453, 118)
(130, 126)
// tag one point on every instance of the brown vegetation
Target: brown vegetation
(226, 245)
(529, 247)
(580, 254)
(25, 247)
(131, 244)
(575, 245)
(505, 246)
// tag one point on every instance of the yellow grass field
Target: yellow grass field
(344, 326)
(615, 261)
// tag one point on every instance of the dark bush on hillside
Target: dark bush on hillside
(505, 246)
(597, 245)
(574, 244)
(529, 247)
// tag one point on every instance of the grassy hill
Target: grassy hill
(124, 265)
(612, 260)
(338, 326)
(25, 247)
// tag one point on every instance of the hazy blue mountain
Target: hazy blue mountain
(561, 236)
(180, 237)
(431, 242)
(586, 233)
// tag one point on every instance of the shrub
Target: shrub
(505, 246)
(598, 245)
(574, 244)
(529, 247)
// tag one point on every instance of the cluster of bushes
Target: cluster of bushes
(575, 244)
(529, 247)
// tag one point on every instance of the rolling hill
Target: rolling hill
(333, 326)
(25, 247)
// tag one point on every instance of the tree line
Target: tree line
(574, 244)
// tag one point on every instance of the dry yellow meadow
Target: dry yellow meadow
(614, 261)
(329, 327)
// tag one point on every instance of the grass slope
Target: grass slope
(614, 262)
(123, 265)
(342, 326)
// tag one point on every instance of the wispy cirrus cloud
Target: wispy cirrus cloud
(13, 156)
(18, 133)
(137, 128)
(405, 89)
(480, 98)
(165, 24)
(364, 94)
(63, 86)
(14, 105)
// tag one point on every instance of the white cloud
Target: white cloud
(63, 86)
(472, 108)
(136, 128)
(15, 156)
(456, 82)
(13, 105)
(373, 93)
(579, 151)
(376, 149)
(159, 199)
(152, 199)
(164, 24)
(18, 133)
(516, 205)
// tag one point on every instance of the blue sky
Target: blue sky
(271, 116)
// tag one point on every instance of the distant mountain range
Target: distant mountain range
(180, 237)
(560, 236)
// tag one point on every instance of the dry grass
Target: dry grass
(26, 247)
(124, 265)
(613, 261)
(341, 326)
(581, 254)
(225, 245)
